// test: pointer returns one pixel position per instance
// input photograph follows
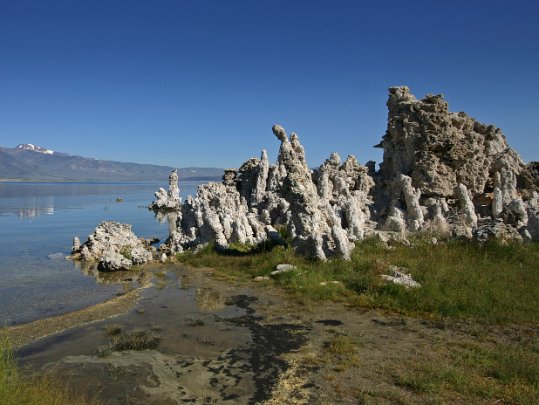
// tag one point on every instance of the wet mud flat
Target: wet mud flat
(203, 341)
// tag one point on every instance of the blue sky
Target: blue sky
(200, 83)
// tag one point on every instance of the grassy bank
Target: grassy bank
(483, 299)
(18, 387)
(493, 282)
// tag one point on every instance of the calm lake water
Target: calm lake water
(37, 225)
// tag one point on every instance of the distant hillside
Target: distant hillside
(29, 162)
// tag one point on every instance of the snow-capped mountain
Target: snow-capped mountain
(34, 148)
(30, 162)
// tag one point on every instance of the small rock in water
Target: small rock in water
(114, 246)
(399, 277)
(55, 256)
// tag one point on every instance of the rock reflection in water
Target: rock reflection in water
(170, 217)
(33, 212)
(108, 278)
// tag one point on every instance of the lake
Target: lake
(37, 225)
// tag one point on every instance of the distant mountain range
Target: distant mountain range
(30, 162)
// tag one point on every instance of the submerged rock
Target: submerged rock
(55, 256)
(113, 246)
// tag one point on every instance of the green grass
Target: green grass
(482, 284)
(494, 282)
(18, 387)
(479, 372)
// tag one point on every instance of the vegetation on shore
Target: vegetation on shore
(493, 282)
(21, 387)
(486, 294)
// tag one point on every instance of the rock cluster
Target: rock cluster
(322, 212)
(113, 246)
(168, 200)
(442, 173)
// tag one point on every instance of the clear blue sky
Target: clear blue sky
(200, 83)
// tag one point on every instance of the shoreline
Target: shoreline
(21, 335)
(278, 346)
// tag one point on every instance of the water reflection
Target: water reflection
(37, 225)
(109, 278)
(33, 212)
(171, 218)
(30, 200)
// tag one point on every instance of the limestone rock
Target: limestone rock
(76, 244)
(529, 177)
(469, 217)
(413, 208)
(259, 198)
(113, 261)
(114, 246)
(398, 276)
(496, 229)
(532, 228)
(443, 173)
(395, 222)
(497, 197)
(168, 200)
(283, 268)
(439, 149)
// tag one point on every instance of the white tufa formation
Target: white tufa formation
(112, 246)
(168, 200)
(442, 173)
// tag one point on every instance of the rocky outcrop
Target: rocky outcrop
(321, 212)
(442, 173)
(251, 203)
(112, 246)
(168, 200)
(439, 149)
(450, 170)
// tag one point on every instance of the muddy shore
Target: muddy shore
(244, 344)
